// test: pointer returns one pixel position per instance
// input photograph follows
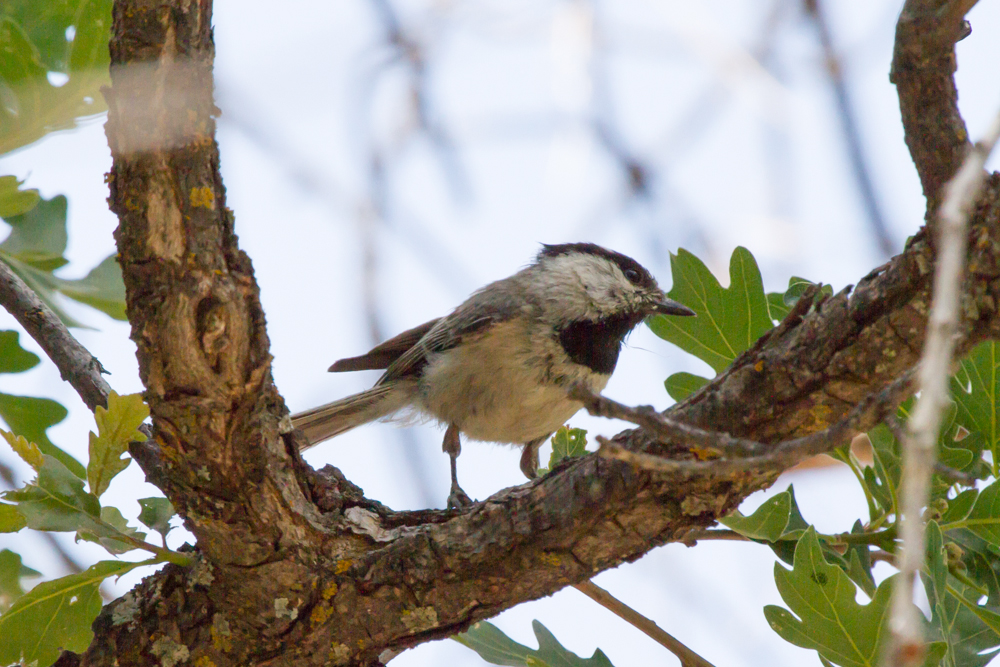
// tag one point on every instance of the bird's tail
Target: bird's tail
(332, 419)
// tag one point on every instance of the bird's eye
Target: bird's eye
(632, 275)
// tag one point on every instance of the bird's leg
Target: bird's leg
(452, 446)
(529, 457)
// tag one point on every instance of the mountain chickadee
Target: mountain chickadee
(498, 368)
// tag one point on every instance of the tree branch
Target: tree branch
(739, 453)
(75, 363)
(923, 68)
(294, 566)
(919, 453)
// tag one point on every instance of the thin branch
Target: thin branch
(687, 657)
(961, 193)
(76, 365)
(742, 454)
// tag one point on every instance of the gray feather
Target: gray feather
(332, 419)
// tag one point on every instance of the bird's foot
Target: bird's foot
(458, 498)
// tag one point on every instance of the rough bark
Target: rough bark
(294, 566)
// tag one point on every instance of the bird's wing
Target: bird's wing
(382, 356)
(491, 305)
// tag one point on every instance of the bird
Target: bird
(499, 367)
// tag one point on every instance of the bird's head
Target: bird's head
(584, 281)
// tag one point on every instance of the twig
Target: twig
(76, 365)
(743, 454)
(687, 657)
(961, 192)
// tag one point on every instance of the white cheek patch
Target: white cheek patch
(586, 287)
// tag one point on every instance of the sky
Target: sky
(374, 192)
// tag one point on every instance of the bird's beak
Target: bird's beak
(665, 306)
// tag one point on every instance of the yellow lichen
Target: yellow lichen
(319, 614)
(821, 413)
(202, 196)
(330, 590)
(551, 559)
(342, 566)
(204, 661)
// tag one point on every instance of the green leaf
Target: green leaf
(883, 482)
(110, 536)
(11, 573)
(34, 249)
(38, 237)
(495, 647)
(779, 305)
(861, 572)
(984, 519)
(970, 642)
(681, 385)
(56, 615)
(567, 442)
(987, 616)
(13, 200)
(13, 357)
(27, 451)
(766, 523)
(729, 319)
(32, 417)
(960, 506)
(116, 428)
(975, 388)
(56, 500)
(776, 307)
(829, 621)
(102, 288)
(785, 549)
(859, 563)
(156, 513)
(11, 520)
(34, 41)
(43, 284)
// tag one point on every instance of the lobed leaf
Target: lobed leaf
(567, 442)
(824, 614)
(767, 523)
(785, 549)
(56, 615)
(730, 319)
(975, 388)
(56, 500)
(495, 647)
(116, 428)
(28, 451)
